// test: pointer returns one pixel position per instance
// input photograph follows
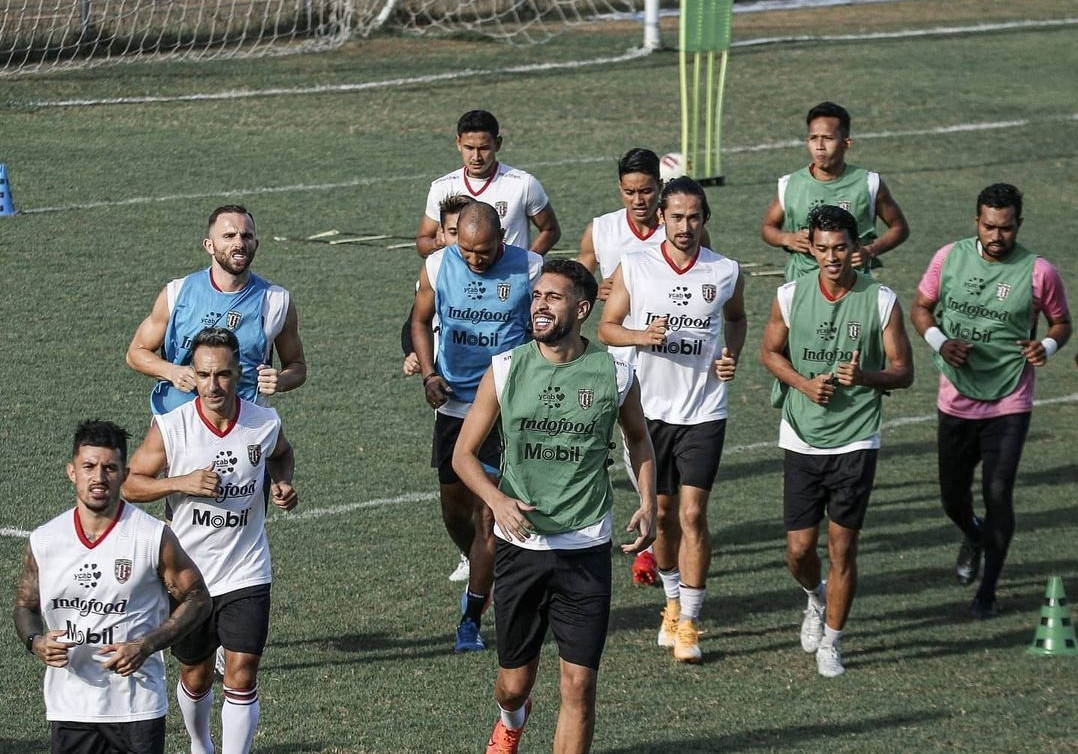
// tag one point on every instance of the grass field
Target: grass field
(113, 200)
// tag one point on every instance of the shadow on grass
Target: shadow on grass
(788, 738)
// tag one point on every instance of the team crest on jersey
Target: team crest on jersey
(254, 454)
(853, 330)
(680, 295)
(504, 290)
(709, 291)
(233, 319)
(502, 207)
(475, 290)
(844, 205)
(1002, 291)
(974, 285)
(585, 396)
(827, 331)
(121, 569)
(552, 396)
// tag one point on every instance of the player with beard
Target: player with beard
(518, 196)
(227, 294)
(978, 306)
(558, 399)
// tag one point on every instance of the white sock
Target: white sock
(513, 719)
(196, 717)
(671, 581)
(239, 718)
(692, 602)
(831, 636)
(818, 596)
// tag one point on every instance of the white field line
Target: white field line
(356, 182)
(467, 73)
(421, 497)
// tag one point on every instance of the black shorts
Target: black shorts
(239, 622)
(139, 737)
(568, 590)
(446, 432)
(686, 454)
(838, 485)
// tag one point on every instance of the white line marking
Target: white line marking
(422, 497)
(357, 182)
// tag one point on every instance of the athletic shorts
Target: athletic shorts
(239, 622)
(686, 454)
(139, 737)
(446, 432)
(567, 590)
(838, 485)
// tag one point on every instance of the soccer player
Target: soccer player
(227, 294)
(829, 179)
(686, 317)
(219, 451)
(558, 399)
(93, 605)
(837, 338)
(518, 197)
(978, 307)
(480, 291)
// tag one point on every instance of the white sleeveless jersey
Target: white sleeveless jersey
(612, 237)
(226, 535)
(677, 379)
(516, 195)
(102, 592)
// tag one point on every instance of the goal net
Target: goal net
(38, 35)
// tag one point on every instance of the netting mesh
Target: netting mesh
(40, 35)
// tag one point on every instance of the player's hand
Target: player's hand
(821, 388)
(267, 379)
(52, 648)
(654, 335)
(183, 378)
(605, 286)
(509, 515)
(201, 482)
(411, 365)
(850, 374)
(284, 495)
(125, 658)
(725, 365)
(1034, 352)
(643, 524)
(955, 351)
(798, 242)
(437, 391)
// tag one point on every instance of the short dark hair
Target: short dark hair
(831, 110)
(452, 205)
(685, 185)
(477, 121)
(228, 209)
(217, 337)
(640, 160)
(584, 284)
(827, 217)
(1000, 196)
(101, 434)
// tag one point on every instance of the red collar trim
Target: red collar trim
(828, 296)
(82, 534)
(646, 236)
(210, 426)
(486, 184)
(674, 267)
(213, 284)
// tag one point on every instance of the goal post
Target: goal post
(703, 40)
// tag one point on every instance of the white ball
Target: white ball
(671, 166)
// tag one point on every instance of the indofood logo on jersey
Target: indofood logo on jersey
(1002, 291)
(475, 290)
(89, 607)
(974, 310)
(826, 330)
(233, 319)
(708, 290)
(476, 315)
(853, 330)
(826, 355)
(555, 427)
(675, 322)
(121, 569)
(680, 295)
(552, 396)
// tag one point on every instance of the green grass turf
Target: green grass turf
(358, 658)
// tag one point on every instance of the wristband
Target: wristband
(1050, 346)
(935, 338)
(429, 377)
(30, 642)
